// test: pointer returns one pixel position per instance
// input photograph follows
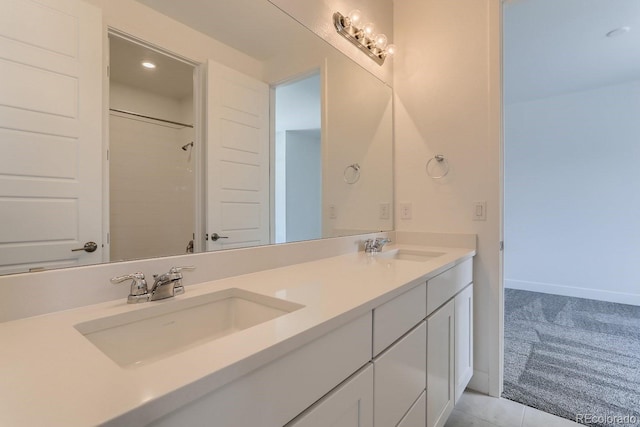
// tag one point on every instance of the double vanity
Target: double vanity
(352, 340)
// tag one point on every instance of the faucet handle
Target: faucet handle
(368, 245)
(176, 273)
(139, 291)
(179, 269)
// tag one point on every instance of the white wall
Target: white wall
(151, 178)
(572, 197)
(447, 81)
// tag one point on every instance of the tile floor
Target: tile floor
(479, 410)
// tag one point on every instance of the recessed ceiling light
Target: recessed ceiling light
(149, 65)
(618, 32)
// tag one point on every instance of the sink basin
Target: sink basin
(141, 336)
(410, 255)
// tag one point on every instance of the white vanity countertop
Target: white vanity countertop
(53, 376)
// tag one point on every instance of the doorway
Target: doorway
(572, 305)
(152, 155)
(298, 160)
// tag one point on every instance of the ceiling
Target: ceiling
(553, 47)
(171, 77)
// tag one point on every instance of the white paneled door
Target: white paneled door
(50, 133)
(237, 159)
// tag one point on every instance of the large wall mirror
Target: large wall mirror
(242, 128)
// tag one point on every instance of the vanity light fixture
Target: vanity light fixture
(149, 65)
(364, 37)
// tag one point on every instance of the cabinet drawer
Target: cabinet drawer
(417, 415)
(399, 377)
(273, 395)
(444, 286)
(394, 318)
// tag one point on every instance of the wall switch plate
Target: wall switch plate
(333, 214)
(385, 209)
(480, 211)
(406, 210)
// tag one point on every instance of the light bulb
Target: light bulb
(355, 16)
(149, 65)
(391, 50)
(381, 41)
(369, 29)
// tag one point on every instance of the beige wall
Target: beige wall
(358, 129)
(447, 82)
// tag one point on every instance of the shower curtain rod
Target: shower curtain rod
(149, 117)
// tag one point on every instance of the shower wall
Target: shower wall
(151, 179)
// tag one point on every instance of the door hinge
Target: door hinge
(501, 245)
(108, 71)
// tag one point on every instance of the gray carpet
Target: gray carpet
(570, 356)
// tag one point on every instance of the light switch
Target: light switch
(480, 211)
(333, 214)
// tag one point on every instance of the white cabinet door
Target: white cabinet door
(464, 339)
(417, 415)
(440, 363)
(349, 405)
(400, 377)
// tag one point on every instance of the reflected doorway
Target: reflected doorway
(152, 173)
(298, 160)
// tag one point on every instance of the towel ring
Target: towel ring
(444, 163)
(352, 173)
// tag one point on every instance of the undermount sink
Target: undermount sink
(138, 337)
(410, 255)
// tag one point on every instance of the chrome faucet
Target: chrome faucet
(168, 284)
(374, 246)
(164, 286)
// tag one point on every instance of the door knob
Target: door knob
(216, 236)
(88, 247)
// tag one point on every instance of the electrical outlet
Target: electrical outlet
(385, 209)
(406, 210)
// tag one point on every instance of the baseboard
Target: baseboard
(569, 291)
(479, 382)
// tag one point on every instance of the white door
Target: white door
(237, 159)
(50, 133)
